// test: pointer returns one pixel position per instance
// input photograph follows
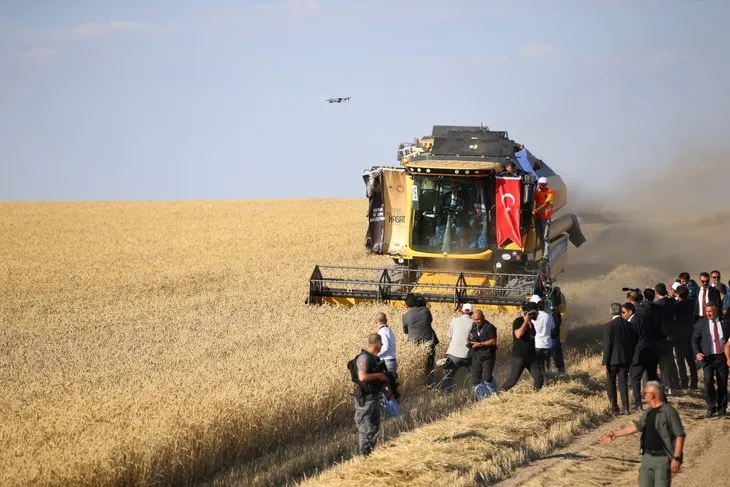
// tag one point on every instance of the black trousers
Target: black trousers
(518, 365)
(543, 358)
(618, 373)
(481, 369)
(670, 375)
(686, 360)
(649, 366)
(716, 369)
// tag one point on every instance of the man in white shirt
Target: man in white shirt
(387, 351)
(457, 355)
(544, 325)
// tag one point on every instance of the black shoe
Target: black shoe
(710, 413)
(721, 414)
(615, 412)
(625, 412)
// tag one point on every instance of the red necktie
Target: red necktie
(718, 348)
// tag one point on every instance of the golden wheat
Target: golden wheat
(157, 342)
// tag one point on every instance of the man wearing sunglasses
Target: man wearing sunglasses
(662, 438)
(706, 295)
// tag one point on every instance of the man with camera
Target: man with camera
(482, 342)
(369, 374)
(664, 311)
(523, 349)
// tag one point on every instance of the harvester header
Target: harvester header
(457, 223)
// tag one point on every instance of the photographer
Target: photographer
(482, 342)
(523, 349)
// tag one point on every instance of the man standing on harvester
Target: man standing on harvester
(544, 201)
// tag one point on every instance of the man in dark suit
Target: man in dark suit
(619, 341)
(665, 308)
(708, 343)
(417, 324)
(706, 294)
(646, 353)
(685, 316)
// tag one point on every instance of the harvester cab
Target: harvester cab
(459, 227)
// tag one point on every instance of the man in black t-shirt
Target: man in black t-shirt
(483, 349)
(523, 350)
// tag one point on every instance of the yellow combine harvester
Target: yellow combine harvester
(443, 216)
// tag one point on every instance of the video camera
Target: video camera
(529, 308)
(630, 289)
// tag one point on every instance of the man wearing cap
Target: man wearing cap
(544, 325)
(457, 355)
(544, 201)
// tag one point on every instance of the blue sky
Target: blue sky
(226, 100)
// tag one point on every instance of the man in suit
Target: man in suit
(685, 322)
(417, 324)
(708, 343)
(646, 353)
(706, 294)
(619, 341)
(665, 308)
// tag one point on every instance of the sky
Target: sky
(178, 100)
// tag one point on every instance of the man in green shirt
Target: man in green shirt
(662, 438)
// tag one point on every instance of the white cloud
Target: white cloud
(537, 50)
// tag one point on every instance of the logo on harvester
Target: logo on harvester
(400, 188)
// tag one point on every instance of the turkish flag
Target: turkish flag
(507, 210)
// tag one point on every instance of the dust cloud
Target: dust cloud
(653, 225)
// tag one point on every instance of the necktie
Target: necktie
(718, 348)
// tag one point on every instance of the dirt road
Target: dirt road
(585, 462)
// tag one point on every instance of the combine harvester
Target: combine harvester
(457, 227)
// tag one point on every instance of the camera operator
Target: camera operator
(646, 354)
(523, 349)
(482, 341)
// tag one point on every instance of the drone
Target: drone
(338, 100)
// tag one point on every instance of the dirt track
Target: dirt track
(585, 462)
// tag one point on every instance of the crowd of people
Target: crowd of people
(472, 345)
(661, 336)
(665, 336)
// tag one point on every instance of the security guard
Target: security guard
(367, 374)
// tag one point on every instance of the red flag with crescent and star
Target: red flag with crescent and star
(507, 210)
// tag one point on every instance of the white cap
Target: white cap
(542, 180)
(535, 298)
(467, 308)
(675, 285)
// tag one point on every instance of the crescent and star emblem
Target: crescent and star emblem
(508, 195)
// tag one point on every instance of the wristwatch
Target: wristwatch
(679, 459)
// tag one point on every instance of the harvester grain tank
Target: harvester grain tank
(457, 226)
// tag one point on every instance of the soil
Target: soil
(585, 462)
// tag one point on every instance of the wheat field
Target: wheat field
(168, 343)
(156, 343)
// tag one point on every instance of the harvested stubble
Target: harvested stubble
(485, 441)
(155, 343)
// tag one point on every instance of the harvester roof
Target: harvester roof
(456, 147)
